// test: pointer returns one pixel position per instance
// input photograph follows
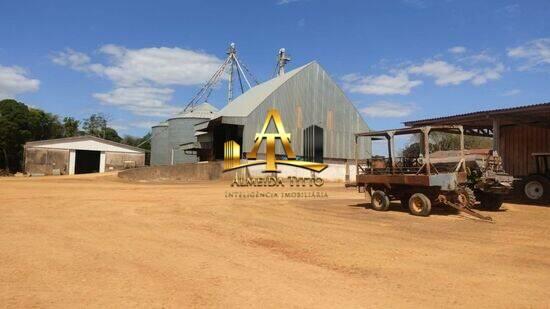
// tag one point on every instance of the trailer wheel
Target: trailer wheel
(420, 205)
(380, 201)
(537, 188)
(490, 201)
(466, 197)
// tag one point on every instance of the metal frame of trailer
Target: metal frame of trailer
(418, 182)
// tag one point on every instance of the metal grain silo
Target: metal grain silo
(160, 149)
(181, 130)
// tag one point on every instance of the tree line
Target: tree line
(446, 141)
(20, 123)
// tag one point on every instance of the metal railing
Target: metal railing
(383, 165)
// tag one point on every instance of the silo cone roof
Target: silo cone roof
(162, 124)
(244, 104)
(203, 110)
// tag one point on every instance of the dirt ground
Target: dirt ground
(97, 241)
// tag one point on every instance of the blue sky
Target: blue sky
(396, 60)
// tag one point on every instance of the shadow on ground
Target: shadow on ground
(437, 210)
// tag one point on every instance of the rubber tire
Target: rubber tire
(469, 194)
(489, 201)
(545, 182)
(425, 205)
(384, 201)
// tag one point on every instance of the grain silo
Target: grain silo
(181, 131)
(160, 151)
(168, 137)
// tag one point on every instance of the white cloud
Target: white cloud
(72, 59)
(125, 125)
(443, 72)
(511, 10)
(146, 101)
(484, 75)
(283, 2)
(421, 4)
(457, 50)
(163, 66)
(511, 92)
(388, 109)
(381, 84)
(141, 77)
(446, 73)
(482, 57)
(160, 65)
(14, 80)
(535, 53)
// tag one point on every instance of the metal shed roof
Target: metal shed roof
(86, 142)
(244, 104)
(536, 113)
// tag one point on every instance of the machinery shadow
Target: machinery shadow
(517, 197)
(437, 210)
(395, 206)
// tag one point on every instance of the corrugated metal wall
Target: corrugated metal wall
(517, 143)
(181, 131)
(160, 149)
(312, 98)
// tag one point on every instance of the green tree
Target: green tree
(141, 142)
(95, 125)
(15, 130)
(44, 125)
(447, 141)
(70, 127)
(112, 135)
(145, 142)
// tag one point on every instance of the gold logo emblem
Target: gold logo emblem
(232, 155)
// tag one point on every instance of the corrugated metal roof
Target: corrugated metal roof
(203, 110)
(244, 104)
(162, 124)
(79, 139)
(523, 108)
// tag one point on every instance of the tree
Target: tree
(447, 141)
(44, 125)
(70, 127)
(145, 142)
(112, 135)
(14, 132)
(95, 125)
(141, 142)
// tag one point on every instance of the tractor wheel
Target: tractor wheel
(537, 188)
(466, 197)
(420, 205)
(380, 201)
(490, 201)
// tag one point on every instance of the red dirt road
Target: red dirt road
(96, 241)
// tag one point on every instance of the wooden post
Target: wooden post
(462, 157)
(356, 157)
(496, 134)
(391, 150)
(426, 146)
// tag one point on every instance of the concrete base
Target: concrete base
(181, 172)
(214, 171)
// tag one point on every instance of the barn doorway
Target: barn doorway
(313, 144)
(87, 161)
